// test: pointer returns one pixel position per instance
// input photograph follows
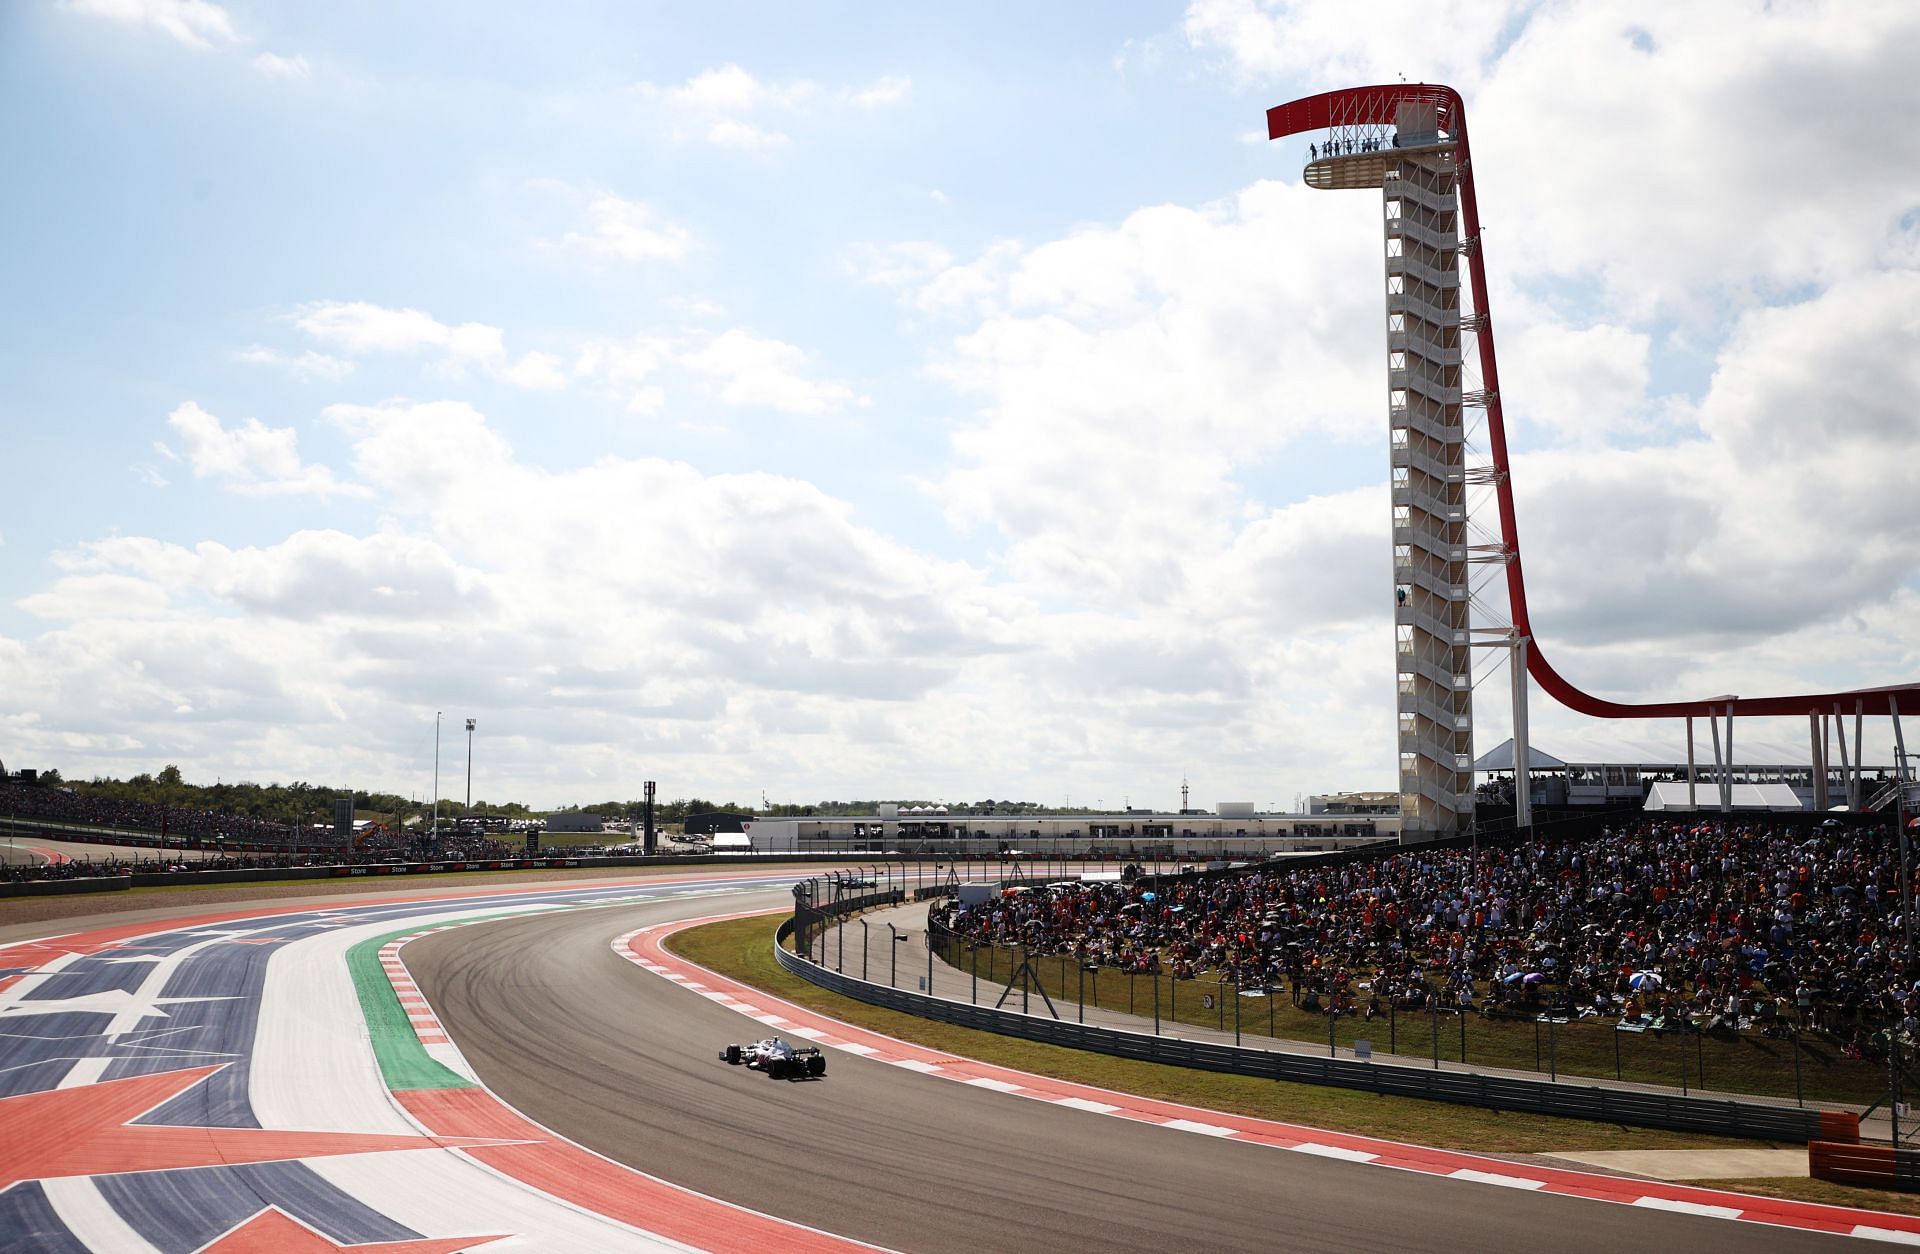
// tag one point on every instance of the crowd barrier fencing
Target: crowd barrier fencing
(1784, 1065)
(1717, 1116)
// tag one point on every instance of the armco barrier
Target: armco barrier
(1867, 1166)
(1606, 1105)
(60, 888)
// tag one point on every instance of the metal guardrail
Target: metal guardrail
(1723, 1117)
(1865, 1166)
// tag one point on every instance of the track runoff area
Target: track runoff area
(275, 1079)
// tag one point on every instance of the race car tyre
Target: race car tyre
(817, 1065)
(733, 1055)
(777, 1068)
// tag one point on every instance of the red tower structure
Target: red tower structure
(1410, 140)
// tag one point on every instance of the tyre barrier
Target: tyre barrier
(1718, 1116)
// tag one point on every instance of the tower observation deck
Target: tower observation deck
(1410, 141)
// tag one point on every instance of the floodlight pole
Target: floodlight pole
(436, 777)
(470, 723)
(1522, 746)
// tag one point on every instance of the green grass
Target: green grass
(742, 949)
(1747, 1063)
(1822, 1191)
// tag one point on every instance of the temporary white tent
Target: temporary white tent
(1672, 795)
(1500, 758)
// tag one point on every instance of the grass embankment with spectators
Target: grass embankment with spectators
(1724, 1062)
(741, 950)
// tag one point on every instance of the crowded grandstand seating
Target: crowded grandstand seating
(199, 827)
(61, 805)
(86, 866)
(1698, 925)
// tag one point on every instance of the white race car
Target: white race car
(777, 1058)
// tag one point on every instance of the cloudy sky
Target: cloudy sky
(922, 401)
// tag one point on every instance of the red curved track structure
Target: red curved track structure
(1377, 106)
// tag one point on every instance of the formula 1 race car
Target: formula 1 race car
(777, 1058)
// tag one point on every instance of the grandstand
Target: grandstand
(1620, 777)
(1724, 925)
(63, 810)
(1132, 833)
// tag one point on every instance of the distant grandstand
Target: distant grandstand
(1624, 780)
(22, 798)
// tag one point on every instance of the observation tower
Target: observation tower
(1410, 141)
(1413, 165)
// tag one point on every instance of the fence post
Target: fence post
(866, 950)
(929, 962)
(1462, 1012)
(1799, 1098)
(1330, 1044)
(1393, 1025)
(1553, 1053)
(1683, 1066)
(1156, 999)
(1433, 1004)
(1700, 1056)
(974, 950)
(1222, 1025)
(1236, 1016)
(1616, 1051)
(1083, 992)
(1536, 1044)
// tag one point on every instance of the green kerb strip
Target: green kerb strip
(405, 1064)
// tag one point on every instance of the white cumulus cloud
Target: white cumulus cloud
(728, 107)
(757, 371)
(250, 457)
(195, 23)
(292, 69)
(628, 230)
(358, 329)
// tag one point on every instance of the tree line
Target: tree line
(302, 803)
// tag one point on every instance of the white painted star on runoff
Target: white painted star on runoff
(118, 1002)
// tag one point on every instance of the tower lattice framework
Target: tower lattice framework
(1413, 165)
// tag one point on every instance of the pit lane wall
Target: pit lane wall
(1720, 1117)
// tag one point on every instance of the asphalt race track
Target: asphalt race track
(401, 1070)
(623, 1062)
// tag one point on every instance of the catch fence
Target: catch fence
(1057, 1021)
(1784, 1063)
